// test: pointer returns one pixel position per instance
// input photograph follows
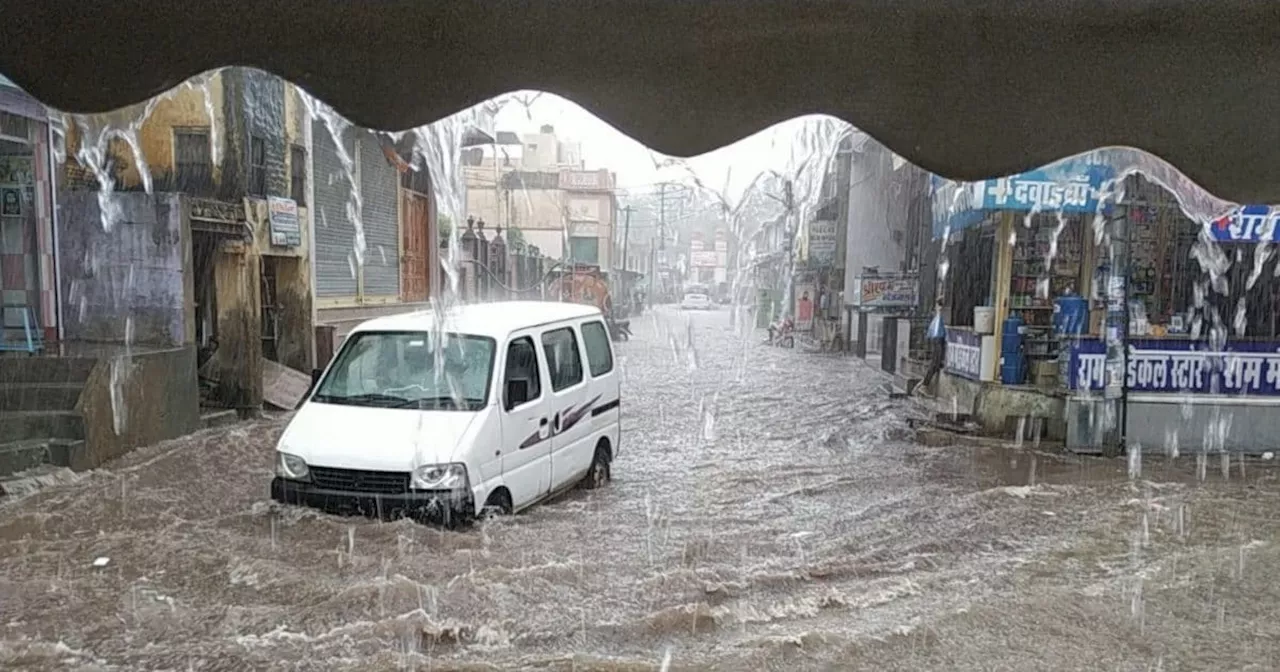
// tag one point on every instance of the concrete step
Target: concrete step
(39, 396)
(218, 417)
(20, 456)
(28, 369)
(35, 479)
(22, 425)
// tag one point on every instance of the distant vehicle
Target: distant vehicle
(495, 408)
(695, 301)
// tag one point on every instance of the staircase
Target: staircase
(39, 419)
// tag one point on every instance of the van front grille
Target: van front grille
(356, 480)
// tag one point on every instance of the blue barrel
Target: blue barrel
(1070, 315)
(1013, 366)
(1011, 335)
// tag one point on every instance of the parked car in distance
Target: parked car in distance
(493, 409)
(693, 301)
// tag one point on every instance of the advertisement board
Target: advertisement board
(803, 309)
(703, 259)
(822, 242)
(964, 354)
(283, 219)
(884, 292)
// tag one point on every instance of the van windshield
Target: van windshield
(403, 369)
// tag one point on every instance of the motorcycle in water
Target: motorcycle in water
(782, 334)
(619, 330)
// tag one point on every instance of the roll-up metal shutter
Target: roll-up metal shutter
(334, 232)
(380, 182)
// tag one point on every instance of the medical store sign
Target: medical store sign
(1072, 186)
(1055, 190)
(1246, 224)
(1169, 366)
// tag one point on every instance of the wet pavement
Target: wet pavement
(770, 510)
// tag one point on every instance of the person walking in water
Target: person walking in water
(937, 337)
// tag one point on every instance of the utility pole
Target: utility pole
(626, 237)
(662, 236)
(789, 201)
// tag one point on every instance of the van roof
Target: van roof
(497, 319)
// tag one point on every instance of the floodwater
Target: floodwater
(770, 510)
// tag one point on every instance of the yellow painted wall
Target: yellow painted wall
(182, 108)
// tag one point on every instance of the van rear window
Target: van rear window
(599, 355)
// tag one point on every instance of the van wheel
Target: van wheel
(599, 473)
(498, 504)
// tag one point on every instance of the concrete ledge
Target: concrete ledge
(1165, 424)
(157, 398)
(1001, 410)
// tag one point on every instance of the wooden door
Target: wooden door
(416, 209)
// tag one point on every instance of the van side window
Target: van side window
(563, 361)
(522, 364)
(599, 357)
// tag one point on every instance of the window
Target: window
(561, 350)
(14, 128)
(599, 356)
(522, 364)
(402, 369)
(257, 166)
(584, 249)
(192, 161)
(298, 174)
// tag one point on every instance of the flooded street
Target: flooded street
(769, 510)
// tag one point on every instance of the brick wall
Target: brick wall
(265, 118)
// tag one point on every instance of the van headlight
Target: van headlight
(292, 467)
(440, 477)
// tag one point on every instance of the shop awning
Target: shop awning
(969, 90)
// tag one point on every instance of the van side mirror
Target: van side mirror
(517, 393)
(315, 378)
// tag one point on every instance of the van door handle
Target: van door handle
(556, 420)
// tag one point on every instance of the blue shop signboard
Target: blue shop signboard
(1072, 186)
(1067, 188)
(1247, 224)
(1176, 365)
(964, 354)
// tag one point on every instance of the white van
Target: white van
(519, 402)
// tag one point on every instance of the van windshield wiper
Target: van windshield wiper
(435, 403)
(370, 399)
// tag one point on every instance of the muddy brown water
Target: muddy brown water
(769, 511)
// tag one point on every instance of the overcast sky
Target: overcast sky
(604, 146)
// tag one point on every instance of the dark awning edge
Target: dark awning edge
(968, 90)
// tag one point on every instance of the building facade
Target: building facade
(537, 185)
(186, 224)
(27, 254)
(376, 228)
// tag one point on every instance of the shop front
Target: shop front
(1201, 363)
(1013, 248)
(880, 317)
(1194, 356)
(26, 222)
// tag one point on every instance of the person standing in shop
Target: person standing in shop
(937, 337)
